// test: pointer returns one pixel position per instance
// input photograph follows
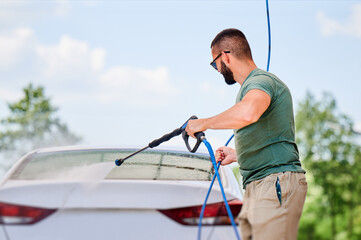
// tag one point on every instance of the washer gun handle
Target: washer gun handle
(165, 138)
(170, 135)
(199, 135)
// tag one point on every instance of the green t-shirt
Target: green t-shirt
(268, 145)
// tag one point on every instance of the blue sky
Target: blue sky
(125, 72)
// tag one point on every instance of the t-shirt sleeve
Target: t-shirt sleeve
(263, 83)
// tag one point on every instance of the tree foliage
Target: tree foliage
(331, 155)
(32, 124)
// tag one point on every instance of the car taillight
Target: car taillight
(214, 214)
(11, 214)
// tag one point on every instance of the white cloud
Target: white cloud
(136, 86)
(70, 56)
(13, 45)
(72, 62)
(97, 57)
(350, 27)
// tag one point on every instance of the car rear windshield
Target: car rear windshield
(90, 165)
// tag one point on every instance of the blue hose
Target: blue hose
(269, 36)
(229, 140)
(216, 167)
(210, 189)
(205, 203)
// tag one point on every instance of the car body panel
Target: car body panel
(116, 224)
(2, 233)
(110, 194)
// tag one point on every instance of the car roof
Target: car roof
(127, 148)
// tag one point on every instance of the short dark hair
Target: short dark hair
(233, 40)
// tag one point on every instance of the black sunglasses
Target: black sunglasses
(213, 63)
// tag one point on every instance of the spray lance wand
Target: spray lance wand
(167, 137)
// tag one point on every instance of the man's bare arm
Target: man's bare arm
(242, 114)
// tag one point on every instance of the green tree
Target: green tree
(32, 124)
(330, 154)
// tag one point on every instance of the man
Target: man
(263, 124)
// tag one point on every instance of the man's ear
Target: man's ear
(225, 58)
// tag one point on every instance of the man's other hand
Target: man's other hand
(226, 155)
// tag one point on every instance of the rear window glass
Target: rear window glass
(99, 164)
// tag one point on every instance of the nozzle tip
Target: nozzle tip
(118, 162)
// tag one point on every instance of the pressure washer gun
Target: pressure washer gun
(167, 137)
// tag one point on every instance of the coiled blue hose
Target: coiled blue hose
(216, 167)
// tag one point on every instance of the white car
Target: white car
(79, 193)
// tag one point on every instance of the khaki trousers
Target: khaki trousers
(263, 216)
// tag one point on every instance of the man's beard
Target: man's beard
(227, 74)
